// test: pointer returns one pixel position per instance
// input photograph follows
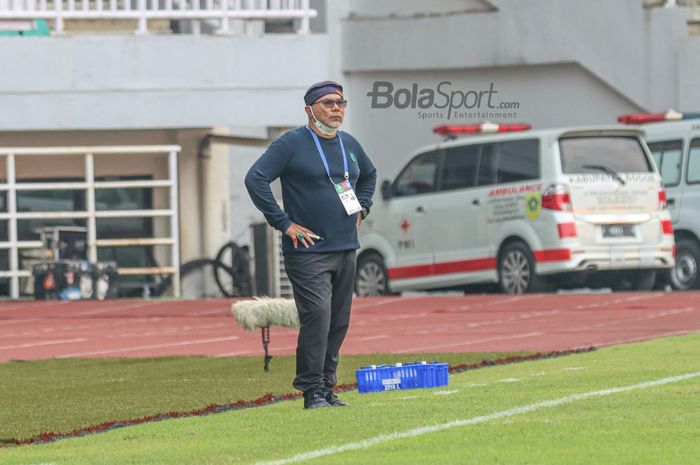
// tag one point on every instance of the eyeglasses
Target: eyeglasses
(328, 103)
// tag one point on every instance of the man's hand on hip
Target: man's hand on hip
(299, 233)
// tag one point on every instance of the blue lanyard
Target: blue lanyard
(323, 155)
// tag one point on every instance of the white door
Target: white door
(668, 156)
(459, 214)
(614, 190)
(690, 218)
(408, 222)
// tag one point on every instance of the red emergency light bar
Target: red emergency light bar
(643, 118)
(479, 128)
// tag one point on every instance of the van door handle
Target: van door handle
(670, 202)
(476, 202)
(420, 209)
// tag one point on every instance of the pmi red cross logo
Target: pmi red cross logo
(405, 225)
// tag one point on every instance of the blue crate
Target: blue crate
(374, 378)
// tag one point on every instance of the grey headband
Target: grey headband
(320, 89)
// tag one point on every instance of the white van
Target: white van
(527, 210)
(674, 141)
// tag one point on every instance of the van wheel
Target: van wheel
(684, 276)
(516, 270)
(371, 277)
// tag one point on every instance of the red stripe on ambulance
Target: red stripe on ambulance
(466, 266)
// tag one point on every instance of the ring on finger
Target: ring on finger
(300, 236)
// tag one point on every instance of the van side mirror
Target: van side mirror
(386, 190)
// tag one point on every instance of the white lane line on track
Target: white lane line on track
(223, 311)
(619, 300)
(149, 347)
(111, 309)
(386, 301)
(525, 409)
(372, 338)
(43, 343)
(16, 322)
(253, 351)
(466, 343)
(90, 326)
(387, 318)
(664, 313)
(639, 338)
(165, 332)
(31, 305)
(492, 303)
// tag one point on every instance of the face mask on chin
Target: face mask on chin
(323, 128)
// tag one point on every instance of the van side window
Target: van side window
(694, 162)
(460, 167)
(487, 165)
(419, 176)
(518, 160)
(667, 156)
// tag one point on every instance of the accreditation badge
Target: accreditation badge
(348, 197)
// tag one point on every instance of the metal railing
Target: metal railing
(90, 214)
(222, 11)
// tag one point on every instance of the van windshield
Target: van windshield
(617, 154)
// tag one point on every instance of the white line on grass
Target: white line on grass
(411, 433)
(446, 393)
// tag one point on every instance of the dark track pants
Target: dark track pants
(323, 285)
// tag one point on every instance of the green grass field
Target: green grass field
(651, 423)
(65, 395)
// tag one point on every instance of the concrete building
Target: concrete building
(546, 62)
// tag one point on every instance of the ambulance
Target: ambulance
(674, 141)
(525, 210)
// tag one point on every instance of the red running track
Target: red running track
(135, 328)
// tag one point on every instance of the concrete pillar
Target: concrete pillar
(215, 190)
(694, 21)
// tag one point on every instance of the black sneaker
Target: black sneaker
(315, 398)
(334, 401)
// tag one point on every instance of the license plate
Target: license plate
(618, 230)
(617, 257)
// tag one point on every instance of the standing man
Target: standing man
(327, 187)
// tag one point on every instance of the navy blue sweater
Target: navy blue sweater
(308, 196)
